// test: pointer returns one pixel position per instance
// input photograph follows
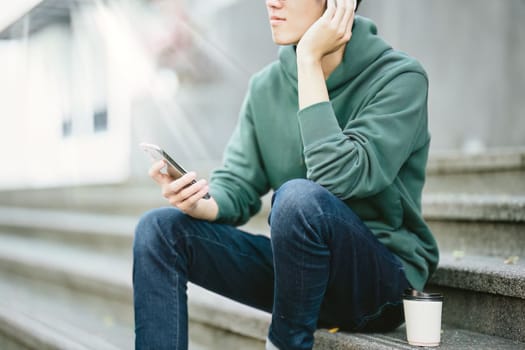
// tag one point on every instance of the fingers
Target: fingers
(185, 192)
(180, 184)
(341, 8)
(349, 11)
(344, 18)
(349, 20)
(330, 9)
(155, 174)
(192, 201)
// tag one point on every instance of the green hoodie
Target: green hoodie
(368, 145)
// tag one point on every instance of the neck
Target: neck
(330, 62)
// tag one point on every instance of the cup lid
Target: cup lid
(412, 294)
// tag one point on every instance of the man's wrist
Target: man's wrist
(308, 59)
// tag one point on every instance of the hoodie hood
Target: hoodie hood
(362, 50)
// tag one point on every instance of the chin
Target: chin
(283, 40)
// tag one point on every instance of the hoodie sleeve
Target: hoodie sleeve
(239, 183)
(365, 157)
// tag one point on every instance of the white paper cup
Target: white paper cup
(423, 317)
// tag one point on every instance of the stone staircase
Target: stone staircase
(65, 266)
(476, 208)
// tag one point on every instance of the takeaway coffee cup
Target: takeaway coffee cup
(423, 317)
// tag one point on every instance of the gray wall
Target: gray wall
(474, 52)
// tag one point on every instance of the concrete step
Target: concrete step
(37, 315)
(109, 276)
(103, 232)
(474, 207)
(496, 172)
(128, 198)
(111, 233)
(492, 225)
(92, 230)
(499, 276)
(483, 294)
(46, 316)
(100, 274)
(76, 268)
(452, 338)
(489, 161)
(23, 331)
(500, 239)
(495, 183)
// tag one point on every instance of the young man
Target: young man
(338, 128)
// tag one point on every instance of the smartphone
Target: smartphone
(173, 168)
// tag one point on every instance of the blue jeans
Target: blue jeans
(322, 267)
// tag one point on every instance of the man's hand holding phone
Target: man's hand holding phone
(184, 192)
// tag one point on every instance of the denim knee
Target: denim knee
(296, 202)
(157, 229)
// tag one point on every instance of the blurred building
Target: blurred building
(64, 118)
(84, 81)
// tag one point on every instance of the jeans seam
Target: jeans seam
(302, 265)
(177, 311)
(175, 279)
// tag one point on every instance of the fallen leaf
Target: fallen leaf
(458, 254)
(511, 260)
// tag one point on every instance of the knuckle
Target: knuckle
(174, 185)
(185, 192)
